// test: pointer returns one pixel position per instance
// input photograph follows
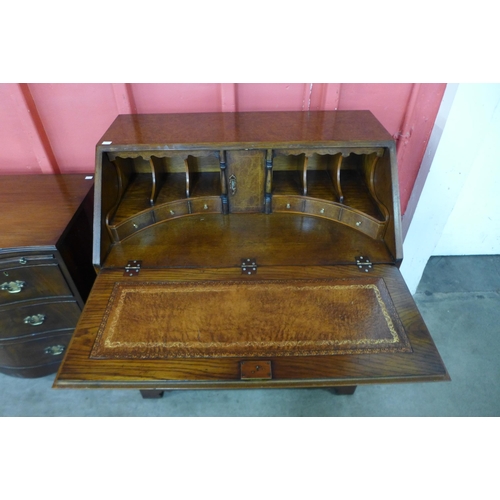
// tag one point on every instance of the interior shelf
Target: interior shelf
(287, 182)
(146, 183)
(357, 195)
(329, 177)
(340, 178)
(204, 184)
(135, 198)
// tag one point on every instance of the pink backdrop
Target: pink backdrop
(53, 128)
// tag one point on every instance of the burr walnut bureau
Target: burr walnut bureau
(46, 268)
(247, 250)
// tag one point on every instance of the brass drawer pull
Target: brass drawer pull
(35, 320)
(13, 286)
(54, 350)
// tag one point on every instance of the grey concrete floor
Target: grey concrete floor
(459, 298)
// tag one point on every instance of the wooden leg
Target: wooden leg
(345, 390)
(151, 394)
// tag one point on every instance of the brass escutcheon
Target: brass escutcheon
(232, 184)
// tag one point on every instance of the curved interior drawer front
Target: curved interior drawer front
(171, 210)
(34, 319)
(323, 209)
(283, 203)
(32, 282)
(207, 204)
(34, 351)
(132, 225)
(362, 223)
(344, 214)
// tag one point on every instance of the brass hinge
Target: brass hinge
(364, 264)
(132, 268)
(248, 266)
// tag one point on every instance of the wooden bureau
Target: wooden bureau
(245, 250)
(46, 270)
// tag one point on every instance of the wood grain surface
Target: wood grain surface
(286, 128)
(44, 203)
(79, 369)
(191, 195)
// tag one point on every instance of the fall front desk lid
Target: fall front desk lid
(168, 327)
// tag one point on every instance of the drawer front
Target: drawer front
(132, 225)
(206, 205)
(323, 209)
(288, 203)
(362, 223)
(19, 284)
(14, 259)
(34, 351)
(171, 210)
(30, 320)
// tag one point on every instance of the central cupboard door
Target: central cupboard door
(246, 177)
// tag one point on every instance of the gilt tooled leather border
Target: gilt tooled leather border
(109, 345)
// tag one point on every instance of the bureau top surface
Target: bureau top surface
(265, 129)
(36, 209)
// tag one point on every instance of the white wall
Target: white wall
(473, 227)
(459, 202)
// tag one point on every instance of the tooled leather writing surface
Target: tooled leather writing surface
(260, 318)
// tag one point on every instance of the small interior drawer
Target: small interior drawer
(362, 222)
(132, 225)
(171, 210)
(206, 205)
(323, 209)
(283, 203)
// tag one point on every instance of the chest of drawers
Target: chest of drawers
(46, 269)
(240, 250)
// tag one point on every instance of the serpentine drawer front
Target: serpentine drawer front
(245, 250)
(45, 269)
(31, 282)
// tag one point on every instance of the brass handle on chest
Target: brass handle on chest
(13, 286)
(54, 350)
(35, 320)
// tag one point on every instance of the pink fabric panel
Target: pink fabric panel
(386, 101)
(17, 133)
(74, 117)
(272, 96)
(176, 97)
